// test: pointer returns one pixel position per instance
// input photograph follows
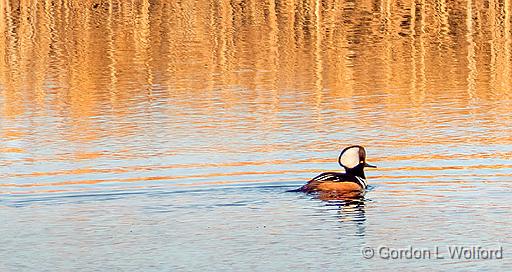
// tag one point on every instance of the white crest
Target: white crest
(350, 158)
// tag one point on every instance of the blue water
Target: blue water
(149, 136)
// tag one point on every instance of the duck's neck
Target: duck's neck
(357, 171)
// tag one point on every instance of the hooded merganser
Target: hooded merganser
(351, 183)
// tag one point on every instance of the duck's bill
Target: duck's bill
(369, 165)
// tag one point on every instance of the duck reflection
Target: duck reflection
(349, 211)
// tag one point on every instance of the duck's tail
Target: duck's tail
(298, 190)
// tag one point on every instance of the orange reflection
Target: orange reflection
(86, 73)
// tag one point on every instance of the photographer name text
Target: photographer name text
(438, 252)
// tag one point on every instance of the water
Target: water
(162, 136)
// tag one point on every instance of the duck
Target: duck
(350, 184)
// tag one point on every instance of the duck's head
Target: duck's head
(353, 159)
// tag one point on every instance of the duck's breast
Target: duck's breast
(339, 186)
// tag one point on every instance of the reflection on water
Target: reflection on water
(195, 117)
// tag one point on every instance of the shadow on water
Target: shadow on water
(348, 212)
(349, 209)
(344, 208)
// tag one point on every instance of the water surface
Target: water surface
(163, 136)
